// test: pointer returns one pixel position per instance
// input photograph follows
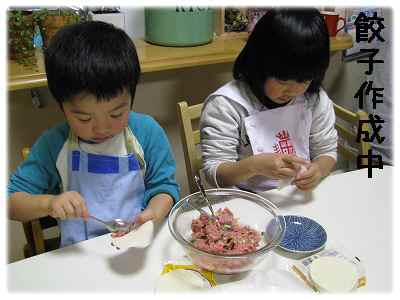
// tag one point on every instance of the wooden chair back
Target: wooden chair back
(34, 231)
(188, 117)
(347, 123)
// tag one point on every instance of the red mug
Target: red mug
(331, 19)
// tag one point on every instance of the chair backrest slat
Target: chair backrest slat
(347, 134)
(34, 229)
(187, 115)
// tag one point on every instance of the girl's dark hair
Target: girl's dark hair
(286, 44)
(92, 57)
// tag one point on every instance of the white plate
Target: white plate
(333, 274)
(140, 237)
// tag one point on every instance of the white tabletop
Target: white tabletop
(355, 210)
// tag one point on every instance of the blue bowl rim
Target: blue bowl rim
(302, 251)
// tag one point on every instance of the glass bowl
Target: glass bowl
(250, 209)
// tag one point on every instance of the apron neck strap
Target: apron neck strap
(129, 141)
(73, 141)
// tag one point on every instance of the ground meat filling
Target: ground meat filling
(225, 235)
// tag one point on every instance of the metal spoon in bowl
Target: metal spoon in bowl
(200, 210)
(203, 194)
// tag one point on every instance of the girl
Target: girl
(274, 117)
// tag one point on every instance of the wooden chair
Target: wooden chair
(34, 231)
(347, 123)
(188, 117)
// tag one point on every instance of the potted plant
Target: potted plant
(235, 20)
(21, 28)
(50, 21)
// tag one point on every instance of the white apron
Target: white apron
(284, 130)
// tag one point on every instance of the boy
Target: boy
(105, 161)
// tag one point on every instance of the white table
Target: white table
(355, 210)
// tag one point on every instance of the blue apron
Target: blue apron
(112, 187)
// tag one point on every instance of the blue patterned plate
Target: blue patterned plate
(302, 235)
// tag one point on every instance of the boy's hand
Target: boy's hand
(68, 205)
(277, 166)
(146, 215)
(308, 179)
(143, 217)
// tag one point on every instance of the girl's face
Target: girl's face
(97, 121)
(283, 91)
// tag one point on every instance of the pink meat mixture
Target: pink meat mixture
(224, 235)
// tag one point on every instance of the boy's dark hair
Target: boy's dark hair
(286, 44)
(91, 57)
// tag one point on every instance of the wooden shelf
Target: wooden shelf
(153, 58)
(341, 42)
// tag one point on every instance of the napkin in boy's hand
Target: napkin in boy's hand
(139, 237)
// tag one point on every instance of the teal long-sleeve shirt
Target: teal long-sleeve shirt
(38, 174)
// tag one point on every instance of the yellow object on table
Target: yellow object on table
(184, 278)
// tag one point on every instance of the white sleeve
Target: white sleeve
(323, 135)
(219, 133)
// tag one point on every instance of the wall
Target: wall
(343, 80)
(134, 21)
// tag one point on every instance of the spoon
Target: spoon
(115, 225)
(200, 210)
(203, 194)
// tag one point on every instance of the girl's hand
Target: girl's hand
(68, 205)
(310, 178)
(277, 166)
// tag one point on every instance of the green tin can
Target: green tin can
(179, 26)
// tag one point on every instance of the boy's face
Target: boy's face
(97, 121)
(283, 91)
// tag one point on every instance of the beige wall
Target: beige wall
(157, 95)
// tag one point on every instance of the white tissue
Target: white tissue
(140, 237)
